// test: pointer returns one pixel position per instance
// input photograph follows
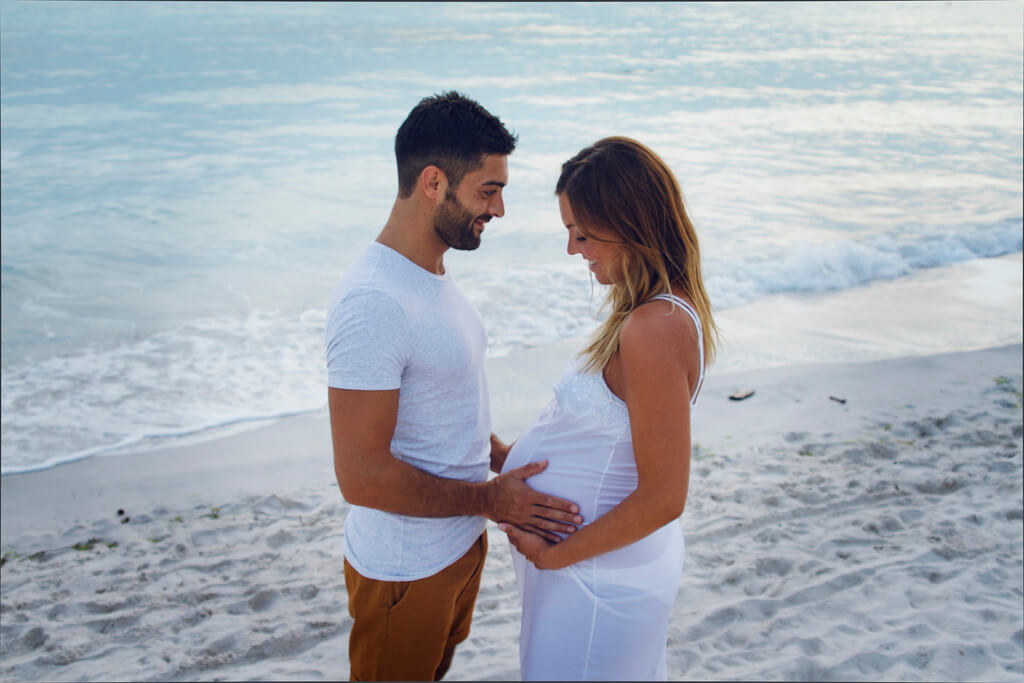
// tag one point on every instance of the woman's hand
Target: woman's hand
(533, 546)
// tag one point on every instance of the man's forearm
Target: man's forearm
(396, 486)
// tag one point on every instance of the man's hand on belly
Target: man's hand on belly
(510, 499)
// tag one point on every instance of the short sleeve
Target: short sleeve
(368, 341)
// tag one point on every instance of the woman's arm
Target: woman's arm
(656, 352)
(499, 453)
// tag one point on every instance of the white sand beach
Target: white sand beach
(874, 537)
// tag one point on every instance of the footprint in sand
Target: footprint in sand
(262, 600)
(33, 638)
(279, 538)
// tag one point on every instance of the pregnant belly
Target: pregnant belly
(596, 474)
(583, 468)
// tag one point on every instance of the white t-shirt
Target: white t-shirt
(394, 325)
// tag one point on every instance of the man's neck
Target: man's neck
(411, 234)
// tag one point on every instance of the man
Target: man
(410, 417)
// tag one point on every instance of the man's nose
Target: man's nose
(497, 207)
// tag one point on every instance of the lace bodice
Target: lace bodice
(587, 393)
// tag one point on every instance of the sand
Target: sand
(876, 539)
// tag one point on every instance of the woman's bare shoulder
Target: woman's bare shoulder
(658, 324)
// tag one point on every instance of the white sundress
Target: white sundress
(605, 618)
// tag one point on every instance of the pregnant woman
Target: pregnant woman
(617, 432)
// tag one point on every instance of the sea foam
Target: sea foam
(216, 372)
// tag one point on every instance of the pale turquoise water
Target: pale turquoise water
(182, 184)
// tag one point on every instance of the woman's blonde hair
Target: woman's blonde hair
(620, 187)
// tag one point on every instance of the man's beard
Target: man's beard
(454, 224)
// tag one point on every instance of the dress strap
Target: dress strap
(700, 336)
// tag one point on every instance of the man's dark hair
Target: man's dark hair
(449, 131)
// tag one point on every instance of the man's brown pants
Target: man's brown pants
(408, 630)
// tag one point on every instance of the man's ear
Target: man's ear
(433, 182)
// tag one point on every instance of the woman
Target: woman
(617, 433)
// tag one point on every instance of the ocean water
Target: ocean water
(182, 184)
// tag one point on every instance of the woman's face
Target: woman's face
(602, 256)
